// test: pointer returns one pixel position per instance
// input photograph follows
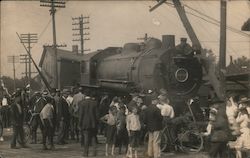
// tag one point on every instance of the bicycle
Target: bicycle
(189, 141)
(27, 129)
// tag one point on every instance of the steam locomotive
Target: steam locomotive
(152, 65)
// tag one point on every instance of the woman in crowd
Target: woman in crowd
(243, 141)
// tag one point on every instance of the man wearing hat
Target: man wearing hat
(35, 109)
(77, 98)
(88, 119)
(63, 117)
(56, 93)
(17, 119)
(153, 120)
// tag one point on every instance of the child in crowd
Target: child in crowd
(122, 134)
(111, 120)
(133, 127)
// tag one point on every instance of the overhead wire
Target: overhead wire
(212, 20)
(217, 21)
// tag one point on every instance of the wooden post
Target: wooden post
(222, 57)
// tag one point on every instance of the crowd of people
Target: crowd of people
(81, 115)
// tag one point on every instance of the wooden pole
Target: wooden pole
(222, 56)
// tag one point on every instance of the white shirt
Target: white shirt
(4, 102)
(47, 112)
(69, 100)
(133, 122)
(166, 110)
(231, 110)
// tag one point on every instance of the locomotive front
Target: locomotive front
(151, 68)
(182, 71)
(175, 68)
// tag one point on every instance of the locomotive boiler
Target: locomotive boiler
(153, 65)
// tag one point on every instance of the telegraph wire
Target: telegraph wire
(214, 21)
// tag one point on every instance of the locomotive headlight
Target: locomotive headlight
(181, 75)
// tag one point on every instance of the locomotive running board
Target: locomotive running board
(121, 85)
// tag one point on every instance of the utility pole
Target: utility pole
(53, 4)
(37, 68)
(81, 21)
(28, 39)
(13, 59)
(24, 59)
(222, 57)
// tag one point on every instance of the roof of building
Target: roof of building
(69, 55)
(65, 54)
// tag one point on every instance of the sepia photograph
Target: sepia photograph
(125, 78)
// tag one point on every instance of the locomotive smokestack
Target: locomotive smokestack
(168, 41)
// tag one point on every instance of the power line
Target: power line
(213, 21)
(217, 21)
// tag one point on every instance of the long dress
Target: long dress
(243, 141)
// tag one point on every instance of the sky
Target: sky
(114, 23)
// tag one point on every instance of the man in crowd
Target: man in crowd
(77, 98)
(153, 120)
(63, 118)
(17, 120)
(47, 116)
(56, 94)
(88, 119)
(36, 108)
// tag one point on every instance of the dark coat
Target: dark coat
(39, 104)
(88, 114)
(63, 110)
(220, 127)
(17, 118)
(153, 118)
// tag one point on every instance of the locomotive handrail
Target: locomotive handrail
(114, 81)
